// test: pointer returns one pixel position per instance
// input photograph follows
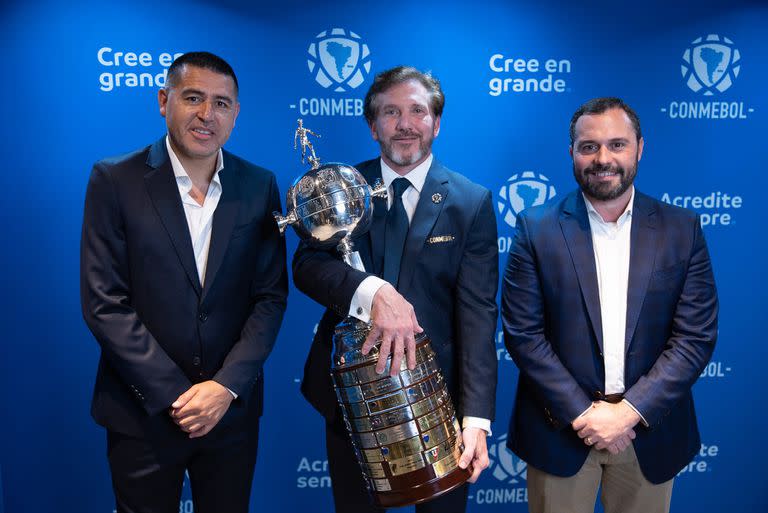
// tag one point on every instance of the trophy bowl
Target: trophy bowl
(327, 204)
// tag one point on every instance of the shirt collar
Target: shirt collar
(627, 214)
(417, 176)
(181, 174)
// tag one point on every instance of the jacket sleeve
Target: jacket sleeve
(269, 292)
(105, 297)
(477, 313)
(523, 317)
(691, 343)
(324, 277)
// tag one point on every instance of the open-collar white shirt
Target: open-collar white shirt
(611, 242)
(199, 217)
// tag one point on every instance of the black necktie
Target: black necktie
(395, 232)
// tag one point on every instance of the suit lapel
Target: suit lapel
(427, 212)
(578, 237)
(164, 193)
(223, 221)
(642, 255)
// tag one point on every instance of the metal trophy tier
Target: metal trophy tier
(403, 428)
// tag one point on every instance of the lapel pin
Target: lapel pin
(437, 197)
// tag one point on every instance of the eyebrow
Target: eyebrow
(613, 139)
(411, 105)
(202, 93)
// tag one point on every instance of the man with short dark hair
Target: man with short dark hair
(183, 284)
(610, 311)
(432, 260)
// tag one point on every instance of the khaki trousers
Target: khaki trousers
(624, 488)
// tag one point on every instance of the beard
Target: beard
(406, 157)
(605, 191)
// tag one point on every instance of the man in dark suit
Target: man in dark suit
(610, 311)
(183, 284)
(440, 276)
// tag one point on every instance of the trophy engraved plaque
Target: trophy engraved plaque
(403, 428)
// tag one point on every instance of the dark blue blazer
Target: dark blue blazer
(451, 284)
(158, 329)
(553, 330)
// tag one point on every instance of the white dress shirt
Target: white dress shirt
(199, 217)
(610, 242)
(611, 245)
(362, 300)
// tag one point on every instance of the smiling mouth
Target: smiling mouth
(603, 172)
(202, 131)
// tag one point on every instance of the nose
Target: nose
(205, 112)
(603, 155)
(404, 122)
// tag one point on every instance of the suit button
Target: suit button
(203, 316)
(196, 361)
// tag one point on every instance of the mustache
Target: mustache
(601, 168)
(407, 133)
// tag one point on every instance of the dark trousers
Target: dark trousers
(349, 492)
(148, 476)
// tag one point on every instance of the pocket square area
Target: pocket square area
(440, 238)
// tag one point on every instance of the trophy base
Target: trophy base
(424, 492)
(403, 427)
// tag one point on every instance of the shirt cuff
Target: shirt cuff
(642, 419)
(477, 422)
(231, 392)
(362, 300)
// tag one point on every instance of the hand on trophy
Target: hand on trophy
(475, 451)
(394, 323)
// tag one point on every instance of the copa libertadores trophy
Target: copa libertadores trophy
(403, 427)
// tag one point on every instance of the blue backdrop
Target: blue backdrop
(79, 83)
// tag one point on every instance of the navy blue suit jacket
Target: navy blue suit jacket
(159, 330)
(553, 330)
(451, 284)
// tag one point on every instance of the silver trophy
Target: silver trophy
(403, 428)
(329, 204)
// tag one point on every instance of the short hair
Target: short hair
(600, 105)
(398, 75)
(204, 60)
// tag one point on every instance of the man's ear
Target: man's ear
(162, 100)
(374, 133)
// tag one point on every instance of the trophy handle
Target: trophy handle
(379, 190)
(283, 221)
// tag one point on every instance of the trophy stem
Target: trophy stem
(353, 259)
(348, 253)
